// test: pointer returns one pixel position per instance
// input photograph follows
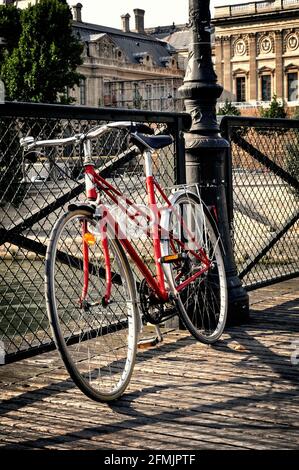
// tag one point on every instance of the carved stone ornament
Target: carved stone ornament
(266, 44)
(240, 47)
(292, 42)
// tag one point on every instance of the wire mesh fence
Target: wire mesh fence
(35, 193)
(265, 189)
(263, 184)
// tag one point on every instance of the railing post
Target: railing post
(180, 170)
(206, 150)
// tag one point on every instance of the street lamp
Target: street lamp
(206, 150)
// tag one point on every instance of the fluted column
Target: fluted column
(218, 58)
(253, 93)
(279, 64)
(227, 72)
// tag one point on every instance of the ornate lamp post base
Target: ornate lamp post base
(206, 150)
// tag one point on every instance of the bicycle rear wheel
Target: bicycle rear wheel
(202, 304)
(97, 342)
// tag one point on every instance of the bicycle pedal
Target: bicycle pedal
(151, 341)
(173, 258)
(148, 342)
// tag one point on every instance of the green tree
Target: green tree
(10, 29)
(228, 109)
(10, 155)
(275, 110)
(44, 62)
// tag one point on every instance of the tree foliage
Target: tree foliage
(228, 109)
(10, 29)
(275, 110)
(44, 62)
(39, 57)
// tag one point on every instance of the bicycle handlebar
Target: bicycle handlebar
(28, 143)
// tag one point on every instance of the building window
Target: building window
(148, 90)
(122, 93)
(137, 97)
(293, 86)
(82, 92)
(266, 87)
(241, 89)
(87, 49)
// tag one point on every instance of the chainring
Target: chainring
(152, 309)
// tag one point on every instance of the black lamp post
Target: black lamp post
(206, 150)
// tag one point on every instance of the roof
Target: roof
(132, 44)
(180, 40)
(162, 32)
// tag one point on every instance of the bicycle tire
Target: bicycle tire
(98, 346)
(202, 305)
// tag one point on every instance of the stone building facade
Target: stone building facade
(257, 51)
(178, 36)
(123, 67)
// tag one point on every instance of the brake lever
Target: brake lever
(25, 142)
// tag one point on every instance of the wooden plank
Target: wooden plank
(240, 394)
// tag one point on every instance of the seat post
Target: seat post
(147, 154)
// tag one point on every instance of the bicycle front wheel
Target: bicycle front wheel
(202, 304)
(97, 342)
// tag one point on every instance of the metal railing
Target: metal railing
(33, 195)
(254, 7)
(263, 200)
(263, 197)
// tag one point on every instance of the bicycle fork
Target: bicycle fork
(89, 238)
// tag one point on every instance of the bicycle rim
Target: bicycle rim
(97, 343)
(202, 304)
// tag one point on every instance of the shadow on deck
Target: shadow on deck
(239, 394)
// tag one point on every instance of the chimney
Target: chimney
(139, 21)
(126, 23)
(77, 12)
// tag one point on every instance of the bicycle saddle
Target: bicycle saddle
(153, 142)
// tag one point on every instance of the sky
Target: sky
(157, 12)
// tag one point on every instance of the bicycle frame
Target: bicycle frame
(96, 330)
(95, 183)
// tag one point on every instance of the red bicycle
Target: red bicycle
(95, 306)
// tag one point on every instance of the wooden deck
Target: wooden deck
(240, 394)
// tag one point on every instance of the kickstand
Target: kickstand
(151, 341)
